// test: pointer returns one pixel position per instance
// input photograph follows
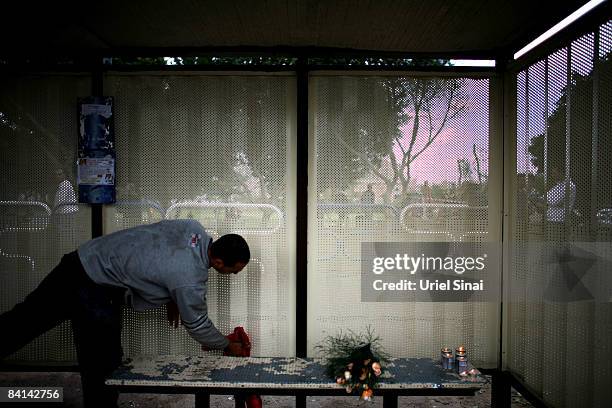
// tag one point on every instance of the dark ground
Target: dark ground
(72, 395)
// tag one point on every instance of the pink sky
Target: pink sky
(439, 162)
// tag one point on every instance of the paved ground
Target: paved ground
(72, 396)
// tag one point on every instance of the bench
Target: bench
(218, 375)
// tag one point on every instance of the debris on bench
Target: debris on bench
(275, 372)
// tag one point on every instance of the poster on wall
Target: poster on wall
(96, 150)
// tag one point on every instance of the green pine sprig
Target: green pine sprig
(351, 349)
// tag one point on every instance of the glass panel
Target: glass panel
(563, 197)
(218, 149)
(39, 217)
(397, 159)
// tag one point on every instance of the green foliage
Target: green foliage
(203, 60)
(341, 349)
(244, 61)
(354, 361)
(281, 61)
(378, 62)
(138, 61)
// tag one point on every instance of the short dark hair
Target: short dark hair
(231, 248)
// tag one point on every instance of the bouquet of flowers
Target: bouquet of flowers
(354, 361)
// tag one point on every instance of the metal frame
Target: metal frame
(97, 217)
(301, 282)
(497, 104)
(525, 391)
(202, 396)
(40, 223)
(193, 204)
(595, 136)
(585, 24)
(244, 51)
(509, 166)
(501, 389)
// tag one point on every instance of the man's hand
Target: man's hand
(173, 314)
(234, 349)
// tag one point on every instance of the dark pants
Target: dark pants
(95, 312)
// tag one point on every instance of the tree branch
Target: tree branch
(41, 129)
(399, 143)
(361, 156)
(433, 137)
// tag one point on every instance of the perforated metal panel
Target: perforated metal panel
(218, 149)
(531, 108)
(362, 132)
(563, 148)
(39, 219)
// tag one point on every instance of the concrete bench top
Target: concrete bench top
(277, 373)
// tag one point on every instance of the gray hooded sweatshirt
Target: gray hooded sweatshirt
(157, 263)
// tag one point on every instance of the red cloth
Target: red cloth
(241, 336)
